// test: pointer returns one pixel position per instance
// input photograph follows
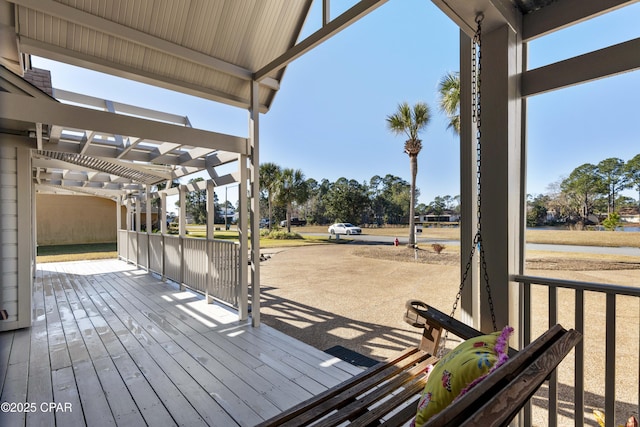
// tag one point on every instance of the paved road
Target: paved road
(376, 240)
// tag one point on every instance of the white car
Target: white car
(344, 228)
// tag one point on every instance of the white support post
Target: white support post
(182, 230)
(470, 304)
(163, 228)
(211, 209)
(118, 223)
(182, 219)
(502, 189)
(128, 213)
(163, 209)
(148, 203)
(138, 206)
(243, 297)
(254, 140)
(148, 224)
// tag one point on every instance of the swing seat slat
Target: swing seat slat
(388, 393)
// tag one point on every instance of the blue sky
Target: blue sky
(328, 119)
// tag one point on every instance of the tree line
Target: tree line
(286, 193)
(589, 190)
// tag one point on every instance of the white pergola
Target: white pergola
(236, 52)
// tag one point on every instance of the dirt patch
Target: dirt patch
(427, 256)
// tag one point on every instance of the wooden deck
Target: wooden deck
(113, 345)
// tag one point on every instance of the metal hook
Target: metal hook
(479, 17)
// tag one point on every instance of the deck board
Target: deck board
(124, 348)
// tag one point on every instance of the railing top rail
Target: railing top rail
(572, 284)
(175, 236)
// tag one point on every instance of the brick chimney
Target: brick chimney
(40, 79)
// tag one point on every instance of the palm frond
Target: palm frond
(409, 121)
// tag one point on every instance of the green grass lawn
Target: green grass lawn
(561, 237)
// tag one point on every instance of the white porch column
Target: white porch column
(211, 209)
(470, 301)
(182, 220)
(502, 171)
(254, 139)
(243, 298)
(119, 223)
(163, 209)
(149, 227)
(182, 227)
(138, 206)
(148, 206)
(128, 206)
(163, 227)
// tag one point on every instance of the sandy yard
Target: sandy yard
(354, 295)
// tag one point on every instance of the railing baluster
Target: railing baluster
(553, 378)
(610, 362)
(611, 292)
(526, 340)
(579, 361)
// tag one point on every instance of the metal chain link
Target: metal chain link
(476, 67)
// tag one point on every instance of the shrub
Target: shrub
(281, 235)
(612, 222)
(437, 247)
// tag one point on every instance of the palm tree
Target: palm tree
(269, 179)
(449, 91)
(411, 122)
(292, 187)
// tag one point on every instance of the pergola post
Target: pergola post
(211, 209)
(243, 297)
(182, 227)
(118, 223)
(148, 223)
(163, 227)
(502, 172)
(148, 209)
(254, 139)
(163, 209)
(138, 206)
(128, 206)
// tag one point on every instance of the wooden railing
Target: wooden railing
(204, 265)
(605, 315)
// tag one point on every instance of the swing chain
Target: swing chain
(477, 114)
(476, 64)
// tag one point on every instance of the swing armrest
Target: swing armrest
(434, 322)
(421, 315)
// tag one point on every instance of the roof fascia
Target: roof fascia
(360, 9)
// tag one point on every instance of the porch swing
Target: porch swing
(388, 393)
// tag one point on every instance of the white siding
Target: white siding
(8, 233)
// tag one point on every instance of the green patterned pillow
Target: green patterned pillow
(461, 369)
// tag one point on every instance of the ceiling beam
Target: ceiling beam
(561, 14)
(27, 109)
(360, 9)
(605, 62)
